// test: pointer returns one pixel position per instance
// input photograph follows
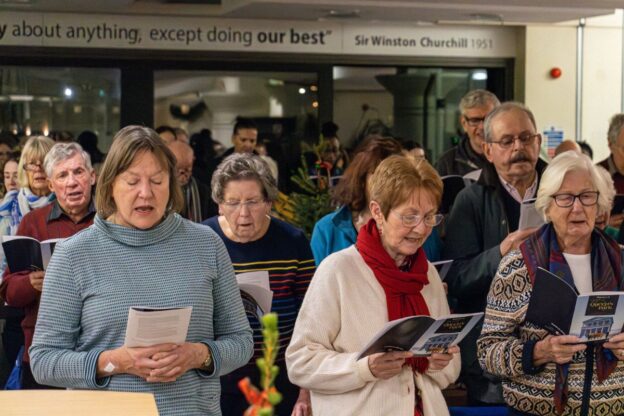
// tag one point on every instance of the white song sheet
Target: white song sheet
(152, 326)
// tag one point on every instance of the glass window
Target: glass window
(284, 105)
(60, 101)
(415, 105)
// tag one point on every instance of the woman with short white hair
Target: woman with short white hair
(546, 374)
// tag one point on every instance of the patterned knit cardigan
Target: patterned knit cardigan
(500, 351)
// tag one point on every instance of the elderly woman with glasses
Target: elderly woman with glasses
(545, 374)
(384, 276)
(34, 191)
(277, 253)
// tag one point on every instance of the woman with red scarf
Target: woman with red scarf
(384, 276)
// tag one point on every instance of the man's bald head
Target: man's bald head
(567, 145)
(184, 160)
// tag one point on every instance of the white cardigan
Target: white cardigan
(343, 309)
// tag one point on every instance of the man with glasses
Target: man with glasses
(483, 226)
(467, 156)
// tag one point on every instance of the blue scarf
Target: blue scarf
(541, 249)
(15, 205)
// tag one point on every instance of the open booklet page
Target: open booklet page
(421, 335)
(26, 253)
(152, 326)
(255, 292)
(556, 306)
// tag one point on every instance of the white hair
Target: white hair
(63, 151)
(570, 161)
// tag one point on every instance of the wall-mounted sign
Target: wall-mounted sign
(553, 138)
(184, 33)
(471, 41)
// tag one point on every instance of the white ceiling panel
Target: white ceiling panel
(461, 11)
(504, 12)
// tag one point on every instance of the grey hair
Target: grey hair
(477, 98)
(62, 151)
(608, 179)
(553, 177)
(615, 126)
(504, 108)
(243, 166)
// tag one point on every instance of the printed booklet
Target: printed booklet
(26, 253)
(556, 306)
(256, 292)
(422, 335)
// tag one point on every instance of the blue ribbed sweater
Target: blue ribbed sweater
(96, 275)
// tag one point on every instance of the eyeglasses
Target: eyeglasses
(33, 166)
(525, 139)
(413, 220)
(588, 199)
(474, 121)
(251, 204)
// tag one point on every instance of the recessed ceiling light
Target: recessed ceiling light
(479, 75)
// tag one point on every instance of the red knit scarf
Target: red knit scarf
(402, 288)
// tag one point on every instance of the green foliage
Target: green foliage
(313, 200)
(262, 402)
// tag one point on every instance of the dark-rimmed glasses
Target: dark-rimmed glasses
(474, 121)
(587, 199)
(33, 166)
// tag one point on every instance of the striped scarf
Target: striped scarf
(15, 205)
(541, 249)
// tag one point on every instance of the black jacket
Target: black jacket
(475, 228)
(460, 160)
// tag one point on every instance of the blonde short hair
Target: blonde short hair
(35, 149)
(397, 177)
(553, 176)
(127, 144)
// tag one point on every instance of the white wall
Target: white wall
(554, 100)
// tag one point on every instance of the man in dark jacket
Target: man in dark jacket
(468, 156)
(244, 138)
(483, 227)
(198, 203)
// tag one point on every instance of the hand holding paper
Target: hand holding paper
(386, 365)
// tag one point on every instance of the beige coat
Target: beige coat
(344, 307)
